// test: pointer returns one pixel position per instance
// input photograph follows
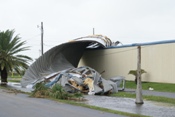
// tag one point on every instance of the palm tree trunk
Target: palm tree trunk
(136, 80)
(139, 99)
(4, 76)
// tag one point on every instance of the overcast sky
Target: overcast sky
(127, 21)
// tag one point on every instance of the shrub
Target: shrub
(57, 92)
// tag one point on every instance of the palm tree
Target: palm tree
(10, 60)
(134, 72)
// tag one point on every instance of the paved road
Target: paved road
(21, 105)
(149, 108)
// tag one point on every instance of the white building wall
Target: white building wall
(157, 60)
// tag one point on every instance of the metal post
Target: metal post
(42, 32)
(93, 31)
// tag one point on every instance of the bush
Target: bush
(57, 92)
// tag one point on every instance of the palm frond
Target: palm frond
(134, 72)
(10, 46)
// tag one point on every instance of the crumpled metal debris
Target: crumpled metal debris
(59, 65)
(83, 79)
(63, 56)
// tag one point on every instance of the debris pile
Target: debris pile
(64, 56)
(59, 65)
(83, 79)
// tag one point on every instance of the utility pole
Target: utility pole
(139, 99)
(42, 32)
(93, 31)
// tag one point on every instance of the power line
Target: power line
(33, 36)
(48, 45)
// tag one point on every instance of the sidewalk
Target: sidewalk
(149, 108)
(154, 93)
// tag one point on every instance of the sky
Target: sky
(127, 21)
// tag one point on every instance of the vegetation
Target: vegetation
(163, 87)
(102, 109)
(42, 91)
(134, 72)
(9, 90)
(15, 76)
(10, 59)
(18, 80)
(56, 92)
(146, 97)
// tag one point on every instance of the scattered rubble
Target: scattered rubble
(83, 79)
(59, 65)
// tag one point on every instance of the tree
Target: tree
(134, 72)
(139, 99)
(10, 59)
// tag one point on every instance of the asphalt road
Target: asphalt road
(20, 105)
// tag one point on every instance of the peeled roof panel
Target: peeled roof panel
(60, 57)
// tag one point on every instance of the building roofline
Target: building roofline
(143, 44)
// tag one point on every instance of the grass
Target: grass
(11, 90)
(146, 97)
(15, 76)
(76, 103)
(57, 92)
(102, 109)
(163, 87)
(14, 80)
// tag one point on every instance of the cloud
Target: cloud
(129, 21)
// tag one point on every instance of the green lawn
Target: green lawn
(146, 97)
(164, 87)
(14, 79)
(14, 76)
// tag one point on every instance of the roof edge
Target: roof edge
(144, 44)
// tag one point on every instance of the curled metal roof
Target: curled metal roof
(64, 56)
